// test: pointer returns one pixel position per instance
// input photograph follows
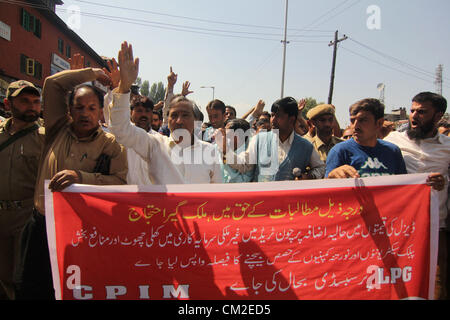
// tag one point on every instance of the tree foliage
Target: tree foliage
(310, 103)
(157, 92)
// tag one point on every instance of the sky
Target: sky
(236, 46)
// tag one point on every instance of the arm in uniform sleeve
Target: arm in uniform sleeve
(317, 166)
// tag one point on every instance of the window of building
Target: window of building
(31, 23)
(37, 28)
(68, 51)
(30, 67)
(61, 46)
(23, 63)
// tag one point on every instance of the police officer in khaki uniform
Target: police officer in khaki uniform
(21, 141)
(323, 119)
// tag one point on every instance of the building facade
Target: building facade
(35, 43)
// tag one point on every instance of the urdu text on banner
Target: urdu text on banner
(369, 238)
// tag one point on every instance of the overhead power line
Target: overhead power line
(386, 66)
(197, 19)
(182, 28)
(409, 66)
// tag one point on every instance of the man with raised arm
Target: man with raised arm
(196, 161)
(76, 150)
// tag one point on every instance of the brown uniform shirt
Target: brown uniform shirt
(321, 147)
(63, 150)
(19, 162)
(19, 168)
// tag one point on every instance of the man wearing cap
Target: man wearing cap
(21, 141)
(322, 117)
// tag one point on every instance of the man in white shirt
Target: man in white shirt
(181, 153)
(426, 150)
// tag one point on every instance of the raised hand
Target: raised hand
(185, 90)
(158, 105)
(260, 106)
(301, 105)
(102, 77)
(129, 67)
(171, 79)
(113, 73)
(76, 62)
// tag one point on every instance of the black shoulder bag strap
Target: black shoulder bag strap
(18, 135)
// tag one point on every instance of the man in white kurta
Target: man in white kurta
(181, 153)
(196, 162)
(140, 170)
(426, 150)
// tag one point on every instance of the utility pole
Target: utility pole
(284, 49)
(438, 81)
(333, 66)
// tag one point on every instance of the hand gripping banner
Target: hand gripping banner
(370, 238)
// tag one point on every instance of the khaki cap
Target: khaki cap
(319, 110)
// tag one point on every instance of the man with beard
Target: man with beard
(426, 150)
(156, 120)
(322, 117)
(21, 141)
(364, 155)
(279, 154)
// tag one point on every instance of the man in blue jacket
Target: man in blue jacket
(279, 154)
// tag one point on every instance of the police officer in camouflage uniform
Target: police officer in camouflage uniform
(21, 141)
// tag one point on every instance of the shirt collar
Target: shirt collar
(289, 140)
(5, 125)
(334, 140)
(437, 138)
(91, 137)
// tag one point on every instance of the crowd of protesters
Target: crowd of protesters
(83, 135)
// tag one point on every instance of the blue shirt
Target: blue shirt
(383, 159)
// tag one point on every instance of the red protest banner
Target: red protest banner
(371, 238)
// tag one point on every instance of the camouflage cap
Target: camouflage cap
(16, 87)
